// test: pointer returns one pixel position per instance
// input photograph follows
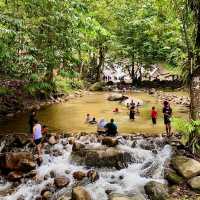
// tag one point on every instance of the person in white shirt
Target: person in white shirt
(37, 135)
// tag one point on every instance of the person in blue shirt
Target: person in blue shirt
(111, 128)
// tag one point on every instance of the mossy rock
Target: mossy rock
(98, 86)
(173, 177)
(156, 191)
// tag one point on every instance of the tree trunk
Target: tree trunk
(195, 75)
(133, 70)
(195, 95)
(101, 62)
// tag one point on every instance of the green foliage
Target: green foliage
(190, 132)
(5, 91)
(36, 88)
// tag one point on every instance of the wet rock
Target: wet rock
(65, 198)
(19, 161)
(116, 196)
(52, 174)
(173, 177)
(15, 176)
(117, 97)
(195, 183)
(110, 142)
(187, 167)
(61, 181)
(98, 86)
(147, 145)
(79, 193)
(79, 175)
(134, 144)
(47, 195)
(156, 191)
(26, 165)
(77, 146)
(106, 157)
(71, 141)
(53, 140)
(92, 175)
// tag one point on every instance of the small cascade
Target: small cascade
(147, 163)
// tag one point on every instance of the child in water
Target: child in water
(93, 121)
(116, 110)
(154, 115)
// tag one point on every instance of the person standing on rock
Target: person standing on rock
(167, 111)
(37, 136)
(111, 128)
(32, 119)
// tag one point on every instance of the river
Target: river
(70, 116)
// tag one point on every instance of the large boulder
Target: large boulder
(156, 190)
(17, 161)
(195, 183)
(187, 167)
(92, 175)
(79, 193)
(98, 86)
(116, 196)
(116, 97)
(15, 176)
(77, 146)
(79, 175)
(106, 157)
(61, 181)
(109, 141)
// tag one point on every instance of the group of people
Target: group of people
(37, 131)
(103, 128)
(110, 129)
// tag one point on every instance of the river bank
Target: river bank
(129, 167)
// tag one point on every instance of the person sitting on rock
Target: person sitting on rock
(101, 127)
(111, 128)
(37, 135)
(93, 121)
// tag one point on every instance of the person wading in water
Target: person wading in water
(167, 111)
(132, 112)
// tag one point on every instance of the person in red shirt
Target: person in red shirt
(154, 115)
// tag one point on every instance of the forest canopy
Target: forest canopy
(38, 36)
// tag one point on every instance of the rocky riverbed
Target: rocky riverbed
(87, 167)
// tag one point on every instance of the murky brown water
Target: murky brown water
(70, 116)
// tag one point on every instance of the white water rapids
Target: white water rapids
(147, 166)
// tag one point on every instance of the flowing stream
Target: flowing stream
(147, 165)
